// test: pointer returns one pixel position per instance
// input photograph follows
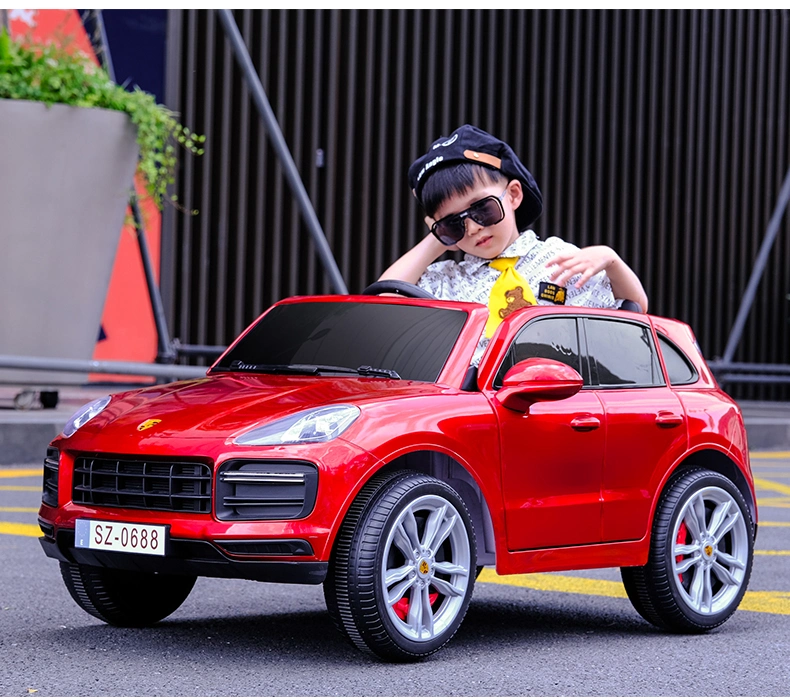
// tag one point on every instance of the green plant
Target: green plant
(57, 75)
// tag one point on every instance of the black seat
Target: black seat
(629, 305)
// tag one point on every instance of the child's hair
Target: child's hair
(455, 179)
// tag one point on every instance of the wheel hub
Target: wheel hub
(710, 564)
(426, 568)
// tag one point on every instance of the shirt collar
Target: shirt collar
(516, 249)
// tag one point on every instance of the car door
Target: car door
(552, 455)
(645, 421)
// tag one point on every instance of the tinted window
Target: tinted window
(679, 368)
(623, 353)
(552, 338)
(415, 341)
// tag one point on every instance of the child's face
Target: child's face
(486, 241)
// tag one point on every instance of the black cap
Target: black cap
(468, 144)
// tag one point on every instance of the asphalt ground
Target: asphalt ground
(569, 634)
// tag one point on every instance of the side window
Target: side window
(552, 338)
(623, 353)
(679, 367)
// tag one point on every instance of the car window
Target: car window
(622, 353)
(552, 338)
(679, 367)
(414, 341)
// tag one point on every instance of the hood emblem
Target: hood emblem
(150, 423)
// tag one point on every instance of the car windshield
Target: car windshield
(413, 342)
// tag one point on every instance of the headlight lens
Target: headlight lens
(84, 414)
(313, 425)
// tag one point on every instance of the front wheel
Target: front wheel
(125, 598)
(403, 568)
(700, 555)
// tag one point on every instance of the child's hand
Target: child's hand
(586, 262)
(429, 223)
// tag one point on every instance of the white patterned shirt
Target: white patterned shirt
(472, 278)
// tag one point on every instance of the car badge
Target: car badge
(424, 567)
(150, 423)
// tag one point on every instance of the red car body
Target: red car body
(551, 483)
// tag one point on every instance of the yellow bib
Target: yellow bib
(509, 293)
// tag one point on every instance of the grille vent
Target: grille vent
(183, 487)
(266, 490)
(267, 548)
(49, 495)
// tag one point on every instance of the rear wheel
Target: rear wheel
(700, 555)
(403, 568)
(125, 598)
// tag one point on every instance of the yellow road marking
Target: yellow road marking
(775, 602)
(14, 473)
(772, 552)
(14, 509)
(556, 582)
(769, 455)
(21, 488)
(773, 523)
(780, 502)
(769, 485)
(20, 529)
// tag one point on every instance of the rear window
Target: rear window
(414, 341)
(623, 353)
(679, 367)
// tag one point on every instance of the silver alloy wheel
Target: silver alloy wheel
(425, 569)
(710, 550)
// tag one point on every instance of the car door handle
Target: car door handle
(585, 423)
(667, 419)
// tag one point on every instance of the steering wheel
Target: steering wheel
(398, 287)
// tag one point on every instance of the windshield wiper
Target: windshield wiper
(241, 366)
(368, 371)
(363, 371)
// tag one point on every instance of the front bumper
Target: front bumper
(196, 558)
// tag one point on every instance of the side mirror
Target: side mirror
(537, 379)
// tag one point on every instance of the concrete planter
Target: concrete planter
(65, 178)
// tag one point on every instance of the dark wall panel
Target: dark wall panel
(662, 133)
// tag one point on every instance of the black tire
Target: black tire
(433, 584)
(701, 551)
(125, 598)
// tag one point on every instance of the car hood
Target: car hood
(223, 405)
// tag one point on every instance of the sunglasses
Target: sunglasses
(484, 212)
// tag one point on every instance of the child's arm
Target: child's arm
(591, 260)
(410, 266)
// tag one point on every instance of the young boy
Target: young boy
(480, 199)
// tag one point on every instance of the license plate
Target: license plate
(121, 537)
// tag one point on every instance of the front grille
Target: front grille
(183, 487)
(49, 494)
(265, 490)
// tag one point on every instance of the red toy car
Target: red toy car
(351, 441)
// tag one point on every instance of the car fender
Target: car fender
(434, 453)
(719, 456)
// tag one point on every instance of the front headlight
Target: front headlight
(313, 425)
(84, 414)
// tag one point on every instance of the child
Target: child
(481, 199)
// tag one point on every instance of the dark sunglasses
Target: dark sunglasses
(484, 212)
